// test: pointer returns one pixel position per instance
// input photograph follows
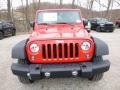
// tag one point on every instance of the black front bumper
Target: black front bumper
(106, 28)
(37, 71)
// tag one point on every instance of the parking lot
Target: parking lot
(111, 80)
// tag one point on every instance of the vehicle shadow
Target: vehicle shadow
(64, 84)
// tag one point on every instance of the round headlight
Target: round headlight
(34, 48)
(85, 46)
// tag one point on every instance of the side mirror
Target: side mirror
(32, 24)
(85, 23)
(88, 27)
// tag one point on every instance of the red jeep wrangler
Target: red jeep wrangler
(59, 46)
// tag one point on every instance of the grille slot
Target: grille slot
(49, 50)
(71, 50)
(109, 27)
(54, 51)
(61, 50)
(65, 50)
(76, 50)
(43, 51)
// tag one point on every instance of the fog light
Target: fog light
(74, 73)
(33, 57)
(47, 74)
(29, 76)
(88, 55)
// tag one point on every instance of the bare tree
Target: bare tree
(108, 7)
(79, 3)
(90, 7)
(56, 2)
(111, 7)
(23, 11)
(34, 5)
(9, 9)
(118, 2)
(73, 3)
(27, 17)
(39, 4)
(101, 4)
(61, 1)
(12, 13)
(0, 12)
(100, 9)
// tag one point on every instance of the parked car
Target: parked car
(118, 23)
(6, 29)
(87, 24)
(102, 24)
(59, 46)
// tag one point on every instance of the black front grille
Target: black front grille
(109, 26)
(60, 50)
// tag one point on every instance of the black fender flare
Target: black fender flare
(18, 51)
(101, 48)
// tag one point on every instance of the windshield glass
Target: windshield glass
(69, 17)
(102, 20)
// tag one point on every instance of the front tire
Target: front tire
(111, 31)
(13, 32)
(98, 29)
(117, 26)
(1, 35)
(24, 80)
(97, 76)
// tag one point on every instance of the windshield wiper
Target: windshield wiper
(54, 23)
(63, 23)
(43, 23)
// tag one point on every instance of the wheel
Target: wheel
(24, 80)
(117, 26)
(13, 32)
(1, 35)
(97, 76)
(92, 28)
(98, 29)
(111, 31)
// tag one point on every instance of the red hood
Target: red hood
(59, 32)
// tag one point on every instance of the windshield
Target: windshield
(69, 17)
(102, 20)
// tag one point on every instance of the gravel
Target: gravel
(111, 80)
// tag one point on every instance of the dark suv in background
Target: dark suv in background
(7, 28)
(102, 24)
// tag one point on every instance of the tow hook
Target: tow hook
(29, 76)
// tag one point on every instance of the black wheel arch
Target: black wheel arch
(19, 51)
(101, 48)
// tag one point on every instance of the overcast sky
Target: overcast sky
(16, 3)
